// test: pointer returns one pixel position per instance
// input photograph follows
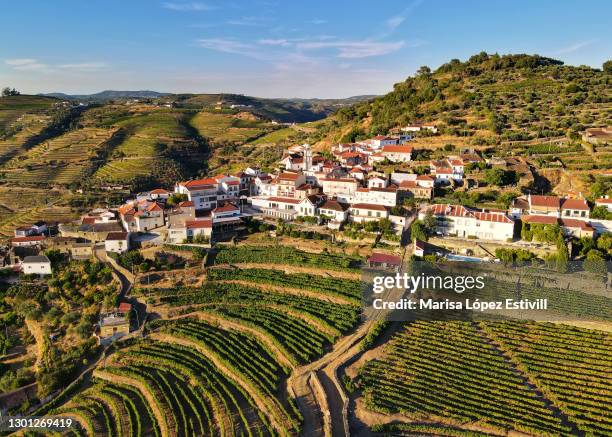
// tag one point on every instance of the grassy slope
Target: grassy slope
(486, 100)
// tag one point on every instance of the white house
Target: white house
(376, 196)
(284, 208)
(382, 141)
(343, 189)
(33, 240)
(363, 212)
(417, 127)
(308, 206)
(460, 221)
(205, 193)
(394, 153)
(336, 211)
(117, 242)
(36, 265)
(377, 182)
(605, 202)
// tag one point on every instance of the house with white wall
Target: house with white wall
(36, 265)
(397, 153)
(117, 242)
(364, 212)
(464, 222)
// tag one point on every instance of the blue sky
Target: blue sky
(274, 48)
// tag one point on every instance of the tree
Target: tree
(417, 231)
(607, 66)
(601, 212)
(9, 92)
(562, 260)
(604, 242)
(429, 222)
(423, 71)
(500, 177)
(595, 262)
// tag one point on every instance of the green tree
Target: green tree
(601, 212)
(418, 231)
(595, 262)
(607, 66)
(604, 242)
(562, 258)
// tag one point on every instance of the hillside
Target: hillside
(485, 100)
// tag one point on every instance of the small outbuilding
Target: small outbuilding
(36, 265)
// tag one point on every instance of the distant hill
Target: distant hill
(285, 110)
(109, 95)
(485, 100)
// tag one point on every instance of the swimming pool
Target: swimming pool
(470, 259)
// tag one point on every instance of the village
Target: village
(342, 191)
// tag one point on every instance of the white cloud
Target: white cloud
(318, 21)
(187, 7)
(84, 66)
(394, 22)
(355, 49)
(247, 21)
(275, 42)
(575, 47)
(17, 62)
(26, 64)
(229, 46)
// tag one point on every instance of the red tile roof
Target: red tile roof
(198, 224)
(199, 183)
(117, 236)
(604, 201)
(290, 200)
(124, 307)
(226, 208)
(577, 204)
(158, 191)
(573, 223)
(397, 149)
(288, 176)
(27, 239)
(462, 211)
(539, 219)
(545, 201)
(378, 257)
(334, 205)
(186, 204)
(369, 206)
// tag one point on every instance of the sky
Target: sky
(276, 48)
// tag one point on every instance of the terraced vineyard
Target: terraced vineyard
(552, 356)
(158, 144)
(220, 364)
(63, 160)
(226, 127)
(540, 379)
(286, 255)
